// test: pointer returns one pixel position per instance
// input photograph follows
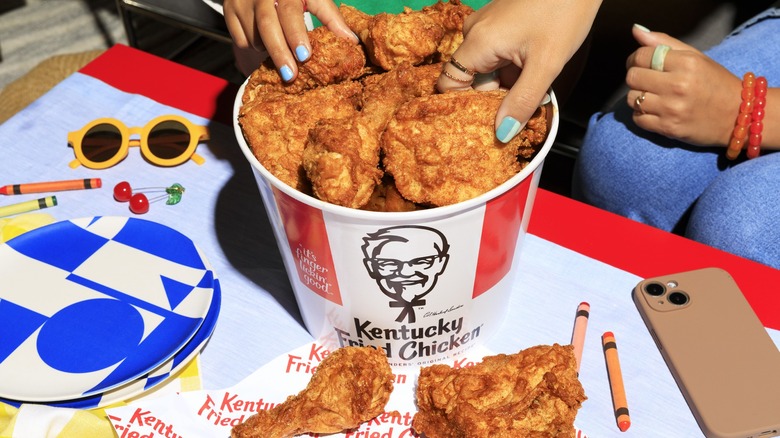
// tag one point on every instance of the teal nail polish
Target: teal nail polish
(507, 130)
(302, 53)
(286, 73)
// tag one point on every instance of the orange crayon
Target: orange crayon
(51, 186)
(619, 402)
(578, 334)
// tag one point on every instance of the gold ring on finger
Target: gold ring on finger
(638, 103)
(462, 67)
(463, 81)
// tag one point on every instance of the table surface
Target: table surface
(573, 252)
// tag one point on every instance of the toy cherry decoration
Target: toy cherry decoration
(123, 192)
(139, 203)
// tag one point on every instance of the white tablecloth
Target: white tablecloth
(222, 213)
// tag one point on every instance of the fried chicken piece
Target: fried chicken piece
(413, 37)
(357, 20)
(386, 198)
(333, 60)
(442, 149)
(349, 387)
(533, 393)
(535, 132)
(341, 157)
(451, 15)
(276, 126)
(341, 161)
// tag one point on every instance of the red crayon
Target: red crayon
(578, 334)
(619, 401)
(51, 186)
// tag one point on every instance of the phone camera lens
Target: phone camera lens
(678, 298)
(655, 289)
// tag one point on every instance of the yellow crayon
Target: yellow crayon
(24, 207)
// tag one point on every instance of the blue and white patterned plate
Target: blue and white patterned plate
(153, 379)
(91, 304)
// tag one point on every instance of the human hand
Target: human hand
(278, 27)
(527, 43)
(694, 99)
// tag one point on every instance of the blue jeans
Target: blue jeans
(695, 191)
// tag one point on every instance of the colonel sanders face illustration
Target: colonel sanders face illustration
(406, 262)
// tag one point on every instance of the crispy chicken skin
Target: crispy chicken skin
(342, 162)
(442, 149)
(386, 198)
(276, 126)
(533, 393)
(332, 60)
(357, 20)
(411, 37)
(341, 157)
(415, 37)
(349, 387)
(451, 15)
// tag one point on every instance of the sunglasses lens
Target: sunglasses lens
(101, 143)
(169, 139)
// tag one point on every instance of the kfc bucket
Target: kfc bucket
(424, 285)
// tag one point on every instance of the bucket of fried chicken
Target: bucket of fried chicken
(399, 215)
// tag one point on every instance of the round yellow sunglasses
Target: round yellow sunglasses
(167, 140)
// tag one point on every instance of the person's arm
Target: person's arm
(527, 43)
(693, 99)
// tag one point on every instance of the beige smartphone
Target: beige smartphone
(725, 363)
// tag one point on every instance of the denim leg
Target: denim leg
(752, 47)
(641, 175)
(739, 211)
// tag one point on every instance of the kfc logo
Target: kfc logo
(405, 281)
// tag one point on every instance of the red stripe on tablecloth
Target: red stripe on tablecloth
(135, 71)
(647, 251)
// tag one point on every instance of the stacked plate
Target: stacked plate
(98, 310)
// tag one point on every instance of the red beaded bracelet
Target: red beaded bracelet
(741, 127)
(757, 117)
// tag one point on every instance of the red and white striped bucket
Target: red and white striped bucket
(424, 285)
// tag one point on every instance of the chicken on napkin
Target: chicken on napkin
(349, 387)
(533, 393)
